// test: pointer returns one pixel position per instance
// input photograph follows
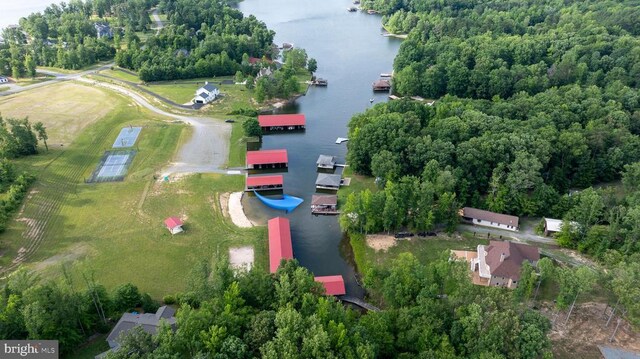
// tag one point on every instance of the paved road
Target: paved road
(58, 78)
(156, 18)
(205, 152)
(525, 234)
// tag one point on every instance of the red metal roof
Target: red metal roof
(264, 180)
(266, 157)
(333, 284)
(279, 242)
(282, 120)
(173, 222)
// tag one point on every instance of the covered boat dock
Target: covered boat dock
(264, 183)
(280, 246)
(267, 159)
(272, 123)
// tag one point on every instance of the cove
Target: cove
(351, 54)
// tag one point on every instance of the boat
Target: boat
(352, 9)
(385, 75)
(341, 139)
(287, 203)
(356, 2)
(321, 82)
(371, 12)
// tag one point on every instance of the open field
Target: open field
(25, 81)
(115, 230)
(66, 109)
(4, 88)
(121, 75)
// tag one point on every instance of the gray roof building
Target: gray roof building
(150, 322)
(326, 180)
(325, 161)
(209, 87)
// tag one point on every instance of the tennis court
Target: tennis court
(127, 137)
(113, 166)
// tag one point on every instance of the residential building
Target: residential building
(149, 322)
(103, 30)
(206, 93)
(499, 263)
(481, 217)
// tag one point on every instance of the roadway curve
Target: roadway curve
(205, 152)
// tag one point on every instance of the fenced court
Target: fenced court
(127, 137)
(113, 166)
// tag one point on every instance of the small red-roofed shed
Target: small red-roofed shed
(267, 159)
(288, 122)
(333, 284)
(280, 246)
(264, 183)
(174, 225)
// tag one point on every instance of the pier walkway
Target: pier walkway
(359, 302)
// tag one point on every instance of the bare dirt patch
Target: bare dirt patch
(71, 254)
(65, 109)
(380, 242)
(586, 330)
(224, 204)
(236, 212)
(241, 258)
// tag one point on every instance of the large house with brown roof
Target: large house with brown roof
(499, 263)
(481, 217)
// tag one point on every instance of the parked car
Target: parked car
(404, 234)
(229, 120)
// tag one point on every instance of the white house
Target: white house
(490, 219)
(3, 80)
(206, 93)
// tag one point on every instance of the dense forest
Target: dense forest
(536, 101)
(203, 38)
(433, 311)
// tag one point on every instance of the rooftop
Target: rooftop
(173, 222)
(327, 161)
(265, 180)
(505, 219)
(333, 284)
(331, 180)
(266, 157)
(282, 120)
(320, 200)
(148, 321)
(505, 258)
(280, 246)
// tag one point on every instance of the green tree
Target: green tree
(312, 65)
(42, 133)
(252, 128)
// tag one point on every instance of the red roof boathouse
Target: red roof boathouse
(267, 159)
(290, 122)
(333, 284)
(264, 183)
(279, 242)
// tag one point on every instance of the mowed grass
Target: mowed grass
(115, 230)
(4, 88)
(66, 109)
(121, 75)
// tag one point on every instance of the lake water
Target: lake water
(12, 10)
(351, 54)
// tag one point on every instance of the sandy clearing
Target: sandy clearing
(224, 204)
(73, 253)
(380, 242)
(236, 212)
(241, 258)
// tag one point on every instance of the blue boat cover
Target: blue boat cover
(287, 203)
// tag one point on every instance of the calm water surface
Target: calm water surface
(351, 54)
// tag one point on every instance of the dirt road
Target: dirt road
(205, 152)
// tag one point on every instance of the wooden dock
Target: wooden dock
(324, 213)
(359, 302)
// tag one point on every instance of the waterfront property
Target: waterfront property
(333, 284)
(489, 219)
(174, 225)
(327, 181)
(266, 159)
(324, 204)
(499, 263)
(280, 246)
(264, 183)
(149, 322)
(382, 85)
(206, 93)
(326, 162)
(290, 122)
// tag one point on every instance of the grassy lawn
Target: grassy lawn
(121, 75)
(26, 81)
(4, 88)
(115, 230)
(65, 71)
(68, 109)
